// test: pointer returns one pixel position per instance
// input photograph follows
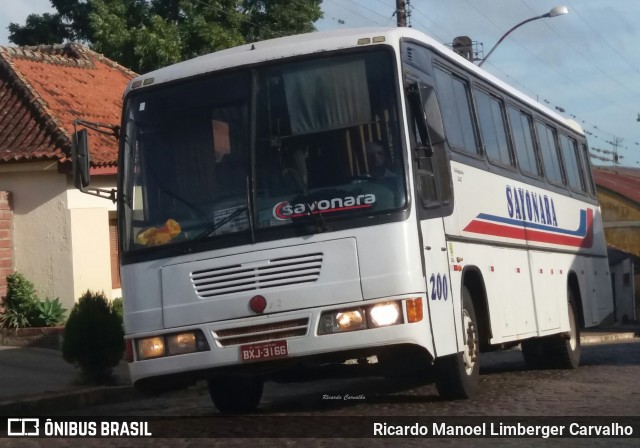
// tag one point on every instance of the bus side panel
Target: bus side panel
(603, 292)
(505, 272)
(508, 279)
(549, 281)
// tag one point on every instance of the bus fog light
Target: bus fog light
(178, 344)
(385, 314)
(150, 348)
(342, 320)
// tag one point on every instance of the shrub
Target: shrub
(20, 304)
(50, 312)
(93, 338)
(23, 308)
(118, 307)
(11, 318)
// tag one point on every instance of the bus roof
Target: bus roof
(319, 41)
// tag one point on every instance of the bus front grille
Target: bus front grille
(262, 333)
(266, 274)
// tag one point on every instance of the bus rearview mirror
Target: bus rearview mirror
(428, 119)
(433, 115)
(80, 159)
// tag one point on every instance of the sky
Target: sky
(586, 63)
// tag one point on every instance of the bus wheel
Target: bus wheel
(457, 375)
(564, 353)
(234, 394)
(534, 353)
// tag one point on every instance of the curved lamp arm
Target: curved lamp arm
(556, 11)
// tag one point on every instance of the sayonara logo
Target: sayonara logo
(285, 210)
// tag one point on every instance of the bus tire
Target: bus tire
(235, 394)
(564, 352)
(457, 375)
(534, 353)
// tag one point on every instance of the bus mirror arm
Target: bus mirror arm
(80, 159)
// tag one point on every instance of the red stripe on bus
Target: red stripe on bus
(520, 233)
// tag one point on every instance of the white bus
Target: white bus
(339, 195)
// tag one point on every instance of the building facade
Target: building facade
(57, 237)
(619, 195)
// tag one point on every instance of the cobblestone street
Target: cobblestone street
(605, 385)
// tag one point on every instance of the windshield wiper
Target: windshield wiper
(210, 231)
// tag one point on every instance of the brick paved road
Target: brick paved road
(606, 384)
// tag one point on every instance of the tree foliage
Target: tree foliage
(147, 34)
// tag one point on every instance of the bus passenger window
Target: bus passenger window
(586, 168)
(492, 128)
(571, 163)
(453, 93)
(547, 139)
(522, 132)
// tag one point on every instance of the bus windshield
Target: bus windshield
(243, 153)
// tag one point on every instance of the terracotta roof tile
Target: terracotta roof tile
(623, 181)
(43, 89)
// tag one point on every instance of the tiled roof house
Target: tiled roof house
(59, 238)
(619, 195)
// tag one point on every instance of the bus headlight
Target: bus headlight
(171, 344)
(352, 319)
(150, 348)
(180, 343)
(342, 320)
(384, 314)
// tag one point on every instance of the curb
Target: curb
(53, 402)
(607, 337)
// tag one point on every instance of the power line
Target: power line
(582, 55)
(602, 39)
(341, 4)
(587, 131)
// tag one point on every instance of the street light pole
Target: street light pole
(556, 11)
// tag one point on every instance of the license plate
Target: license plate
(263, 351)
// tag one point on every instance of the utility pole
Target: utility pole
(401, 13)
(617, 141)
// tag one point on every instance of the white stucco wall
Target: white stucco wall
(42, 243)
(61, 236)
(89, 223)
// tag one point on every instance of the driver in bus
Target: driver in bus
(377, 160)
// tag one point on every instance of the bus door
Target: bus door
(434, 201)
(439, 298)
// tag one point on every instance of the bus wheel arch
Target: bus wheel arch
(573, 288)
(559, 351)
(474, 282)
(457, 375)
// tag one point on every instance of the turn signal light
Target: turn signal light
(414, 310)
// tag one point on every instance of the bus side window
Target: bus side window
(584, 158)
(550, 155)
(455, 104)
(575, 177)
(492, 128)
(522, 133)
